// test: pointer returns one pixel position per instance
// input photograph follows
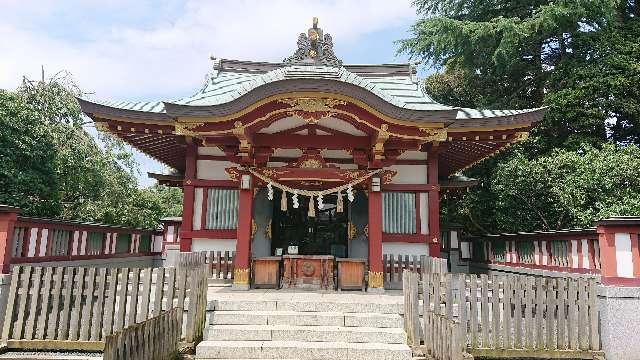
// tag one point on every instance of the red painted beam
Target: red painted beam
(334, 142)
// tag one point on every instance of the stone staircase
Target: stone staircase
(312, 326)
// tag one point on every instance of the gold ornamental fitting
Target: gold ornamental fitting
(241, 276)
(376, 279)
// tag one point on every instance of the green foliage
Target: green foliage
(580, 58)
(27, 155)
(54, 168)
(561, 190)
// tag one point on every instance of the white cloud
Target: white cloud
(151, 50)
(170, 55)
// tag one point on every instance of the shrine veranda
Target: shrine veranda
(310, 157)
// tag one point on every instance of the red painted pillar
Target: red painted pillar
(376, 277)
(243, 237)
(188, 195)
(619, 251)
(8, 218)
(434, 202)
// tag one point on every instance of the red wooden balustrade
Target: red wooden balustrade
(36, 240)
(575, 251)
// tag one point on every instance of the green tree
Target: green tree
(579, 58)
(561, 190)
(57, 169)
(27, 155)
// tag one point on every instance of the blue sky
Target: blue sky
(159, 50)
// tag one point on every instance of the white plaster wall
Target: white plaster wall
(424, 213)
(624, 259)
(198, 195)
(413, 155)
(213, 170)
(44, 239)
(210, 150)
(397, 248)
(409, 174)
(198, 244)
(170, 234)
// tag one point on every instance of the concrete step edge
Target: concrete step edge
(318, 328)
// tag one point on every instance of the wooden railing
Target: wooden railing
(77, 308)
(441, 336)
(153, 339)
(575, 251)
(221, 264)
(36, 240)
(394, 265)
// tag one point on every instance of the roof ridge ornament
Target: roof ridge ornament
(314, 48)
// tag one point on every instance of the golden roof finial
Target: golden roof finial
(315, 22)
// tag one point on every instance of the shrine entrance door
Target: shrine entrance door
(322, 234)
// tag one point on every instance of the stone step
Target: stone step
(307, 306)
(211, 349)
(306, 333)
(295, 318)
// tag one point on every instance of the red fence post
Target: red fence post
(8, 217)
(619, 250)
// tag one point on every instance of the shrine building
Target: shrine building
(310, 162)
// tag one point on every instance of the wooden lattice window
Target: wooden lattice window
(398, 213)
(222, 209)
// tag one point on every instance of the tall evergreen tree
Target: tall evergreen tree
(577, 57)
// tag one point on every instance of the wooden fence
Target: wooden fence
(77, 308)
(394, 265)
(221, 264)
(440, 335)
(519, 315)
(153, 339)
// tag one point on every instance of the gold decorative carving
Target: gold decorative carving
(435, 134)
(186, 129)
(366, 230)
(267, 230)
(233, 173)
(311, 109)
(272, 173)
(310, 104)
(241, 276)
(254, 228)
(521, 136)
(311, 183)
(388, 175)
(352, 230)
(102, 126)
(376, 279)
(311, 164)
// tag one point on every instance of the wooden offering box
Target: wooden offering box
(351, 274)
(266, 272)
(308, 272)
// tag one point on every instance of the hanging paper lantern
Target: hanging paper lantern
(269, 191)
(312, 207)
(283, 201)
(320, 202)
(339, 204)
(296, 204)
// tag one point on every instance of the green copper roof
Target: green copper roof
(223, 87)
